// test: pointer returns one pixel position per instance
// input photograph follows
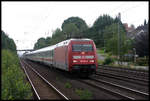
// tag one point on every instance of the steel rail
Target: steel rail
(119, 78)
(48, 82)
(30, 81)
(122, 87)
(134, 73)
(123, 76)
(108, 90)
(125, 69)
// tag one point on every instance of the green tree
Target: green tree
(48, 41)
(97, 34)
(7, 43)
(75, 21)
(70, 30)
(40, 43)
(141, 44)
(99, 26)
(111, 39)
(13, 85)
(57, 36)
(103, 21)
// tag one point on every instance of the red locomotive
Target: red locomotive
(73, 55)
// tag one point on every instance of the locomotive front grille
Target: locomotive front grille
(77, 67)
(84, 69)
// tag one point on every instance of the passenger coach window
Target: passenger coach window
(82, 47)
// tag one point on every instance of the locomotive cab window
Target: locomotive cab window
(82, 47)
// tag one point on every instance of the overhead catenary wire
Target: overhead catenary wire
(121, 5)
(127, 10)
(131, 8)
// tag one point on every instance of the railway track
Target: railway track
(45, 90)
(130, 75)
(125, 75)
(133, 72)
(124, 78)
(122, 82)
(124, 88)
(35, 91)
(113, 90)
(116, 90)
(119, 95)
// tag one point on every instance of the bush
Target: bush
(142, 61)
(127, 58)
(100, 62)
(84, 94)
(13, 85)
(68, 85)
(108, 61)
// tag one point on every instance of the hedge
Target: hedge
(13, 83)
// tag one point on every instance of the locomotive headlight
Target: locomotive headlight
(76, 57)
(91, 60)
(75, 61)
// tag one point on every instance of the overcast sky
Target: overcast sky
(26, 22)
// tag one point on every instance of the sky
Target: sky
(26, 22)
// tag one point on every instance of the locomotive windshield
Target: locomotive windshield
(82, 47)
